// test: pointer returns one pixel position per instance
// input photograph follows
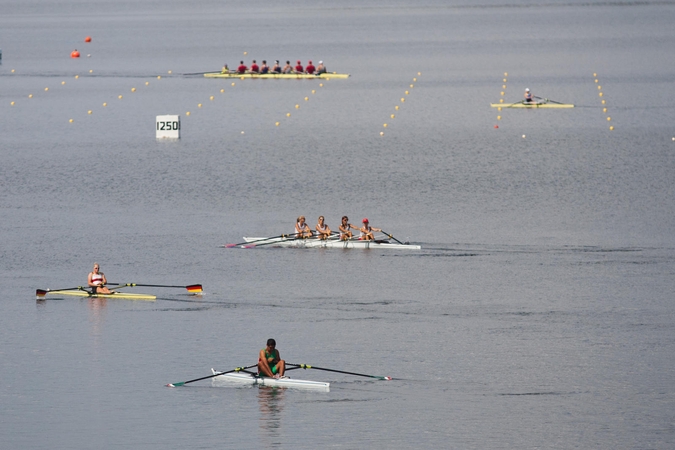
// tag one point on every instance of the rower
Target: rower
(367, 231)
(528, 95)
(264, 68)
(322, 230)
(242, 67)
(254, 67)
(276, 68)
(310, 68)
(225, 69)
(287, 68)
(299, 68)
(97, 281)
(320, 68)
(270, 363)
(345, 229)
(302, 230)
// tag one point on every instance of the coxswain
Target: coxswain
(287, 68)
(242, 67)
(270, 363)
(310, 69)
(320, 68)
(97, 281)
(299, 68)
(528, 95)
(322, 230)
(302, 230)
(276, 68)
(264, 68)
(345, 229)
(367, 231)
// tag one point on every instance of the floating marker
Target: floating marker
(499, 108)
(105, 104)
(501, 100)
(147, 83)
(87, 39)
(313, 91)
(133, 89)
(12, 103)
(242, 132)
(385, 125)
(396, 107)
(392, 116)
(503, 86)
(600, 94)
(412, 86)
(199, 105)
(414, 79)
(419, 73)
(167, 126)
(501, 93)
(504, 80)
(63, 82)
(523, 136)
(91, 71)
(382, 133)
(288, 114)
(30, 95)
(71, 121)
(611, 128)
(402, 99)
(609, 119)
(46, 89)
(599, 87)
(222, 91)
(211, 98)
(306, 98)
(406, 92)
(169, 71)
(89, 112)
(77, 76)
(120, 97)
(506, 74)
(233, 84)
(595, 74)
(245, 53)
(297, 106)
(159, 77)
(320, 84)
(276, 123)
(12, 70)
(603, 102)
(496, 126)
(187, 113)
(499, 117)
(596, 80)
(604, 109)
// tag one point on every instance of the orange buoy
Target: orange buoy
(87, 39)
(75, 54)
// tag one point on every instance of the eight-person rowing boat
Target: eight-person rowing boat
(310, 76)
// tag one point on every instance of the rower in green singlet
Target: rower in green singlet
(270, 363)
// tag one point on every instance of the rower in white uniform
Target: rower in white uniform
(367, 231)
(97, 281)
(322, 229)
(302, 230)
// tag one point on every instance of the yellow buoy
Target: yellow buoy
(501, 100)
(30, 95)
(419, 73)
(46, 89)
(297, 106)
(608, 119)
(211, 98)
(77, 76)
(187, 113)
(499, 108)
(600, 94)
(313, 91)
(499, 117)
(595, 74)
(603, 102)
(385, 125)
(503, 86)
(63, 82)
(159, 77)
(119, 96)
(392, 116)
(506, 74)
(71, 121)
(501, 93)
(523, 136)
(199, 105)
(12, 70)
(406, 92)
(242, 131)
(396, 107)
(402, 99)
(222, 91)
(133, 89)
(288, 114)
(320, 84)
(91, 71)
(381, 133)
(412, 86)
(89, 112)
(241, 78)
(277, 124)
(12, 103)
(599, 87)
(232, 84)
(169, 71)
(306, 98)
(245, 53)
(596, 80)
(504, 80)
(611, 127)
(147, 83)
(105, 104)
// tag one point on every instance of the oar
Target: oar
(516, 103)
(307, 366)
(392, 237)
(257, 240)
(201, 73)
(547, 100)
(190, 287)
(238, 369)
(43, 292)
(252, 245)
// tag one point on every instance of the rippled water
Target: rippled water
(538, 314)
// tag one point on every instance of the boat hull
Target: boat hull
(120, 295)
(246, 378)
(531, 105)
(324, 76)
(330, 243)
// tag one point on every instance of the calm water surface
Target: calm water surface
(539, 313)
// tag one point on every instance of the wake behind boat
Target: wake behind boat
(255, 379)
(293, 242)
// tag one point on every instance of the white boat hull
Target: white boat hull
(246, 378)
(329, 243)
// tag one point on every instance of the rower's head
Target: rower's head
(320, 62)
(321, 219)
(365, 221)
(264, 62)
(345, 219)
(276, 62)
(301, 219)
(271, 343)
(254, 61)
(241, 62)
(527, 89)
(288, 62)
(299, 62)
(310, 62)
(96, 267)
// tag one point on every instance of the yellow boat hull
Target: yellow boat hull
(120, 295)
(531, 105)
(324, 76)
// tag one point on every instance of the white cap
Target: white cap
(527, 89)
(320, 62)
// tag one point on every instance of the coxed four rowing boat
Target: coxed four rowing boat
(276, 75)
(328, 243)
(254, 379)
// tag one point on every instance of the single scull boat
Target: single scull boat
(115, 294)
(532, 105)
(253, 379)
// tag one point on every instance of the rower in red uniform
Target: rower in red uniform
(310, 68)
(242, 67)
(299, 68)
(254, 67)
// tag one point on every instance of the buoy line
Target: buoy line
(397, 107)
(602, 101)
(501, 100)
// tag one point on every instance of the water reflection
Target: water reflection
(271, 402)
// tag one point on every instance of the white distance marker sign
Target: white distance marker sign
(168, 127)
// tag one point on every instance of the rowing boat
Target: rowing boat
(276, 75)
(531, 105)
(120, 295)
(329, 243)
(254, 379)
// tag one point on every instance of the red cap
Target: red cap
(299, 62)
(310, 62)
(365, 221)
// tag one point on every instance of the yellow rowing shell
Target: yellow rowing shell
(296, 76)
(120, 295)
(531, 105)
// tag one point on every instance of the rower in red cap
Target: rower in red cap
(367, 231)
(310, 68)
(299, 68)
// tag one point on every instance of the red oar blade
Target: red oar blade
(230, 245)
(40, 293)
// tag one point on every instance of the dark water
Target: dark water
(539, 313)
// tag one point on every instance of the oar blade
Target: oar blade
(40, 293)
(175, 384)
(194, 288)
(230, 245)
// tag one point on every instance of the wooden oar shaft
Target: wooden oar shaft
(307, 366)
(182, 383)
